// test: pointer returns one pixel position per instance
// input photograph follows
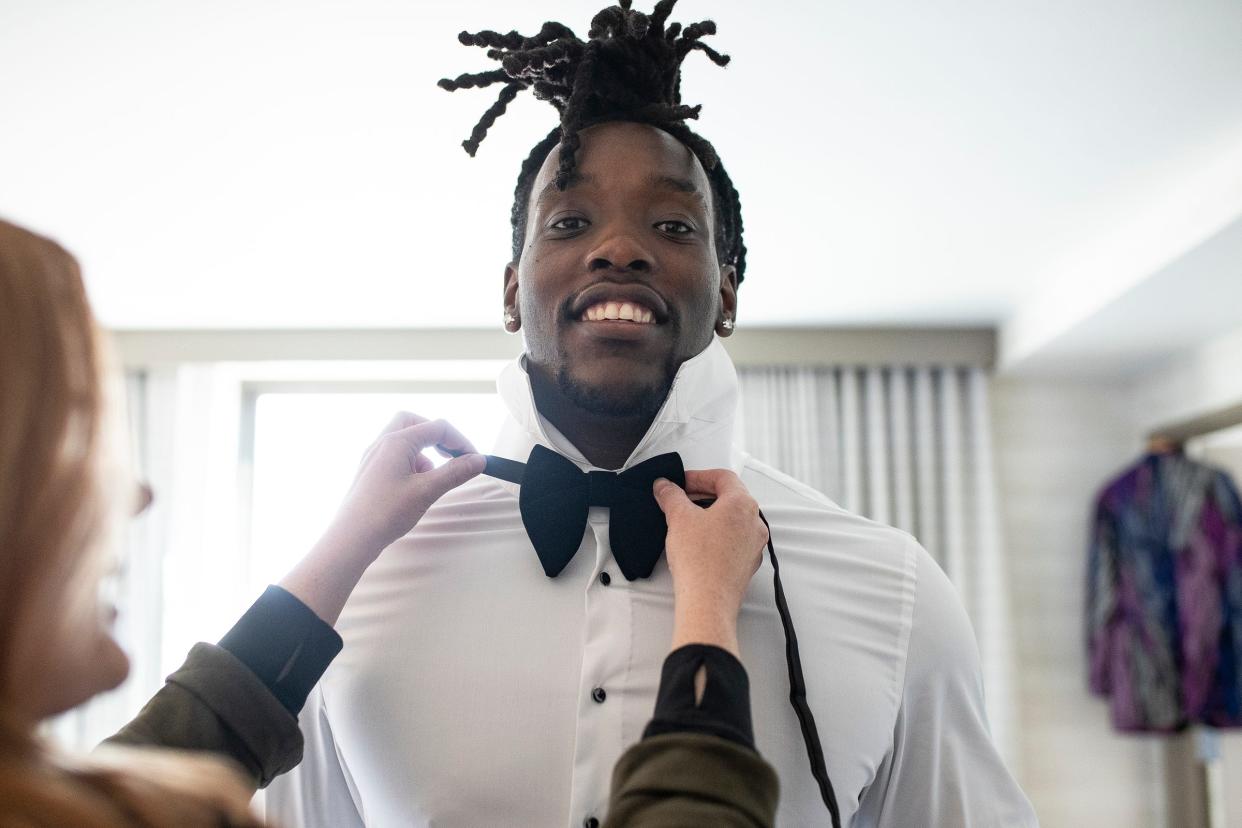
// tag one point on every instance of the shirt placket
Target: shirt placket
(605, 654)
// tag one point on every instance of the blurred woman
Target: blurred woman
(62, 495)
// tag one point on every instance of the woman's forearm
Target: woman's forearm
(324, 579)
(705, 621)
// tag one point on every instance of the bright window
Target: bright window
(306, 452)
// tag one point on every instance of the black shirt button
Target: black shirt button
(605, 578)
(599, 695)
(590, 822)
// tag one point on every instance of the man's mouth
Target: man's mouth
(620, 311)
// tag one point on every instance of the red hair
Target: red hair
(53, 512)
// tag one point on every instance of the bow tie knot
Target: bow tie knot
(603, 488)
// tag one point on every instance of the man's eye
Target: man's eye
(568, 223)
(674, 228)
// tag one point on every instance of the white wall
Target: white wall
(1056, 443)
(749, 346)
(1191, 384)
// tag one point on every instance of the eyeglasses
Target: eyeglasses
(143, 496)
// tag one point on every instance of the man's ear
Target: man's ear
(727, 316)
(512, 316)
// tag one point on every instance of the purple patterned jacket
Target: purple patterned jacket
(1164, 596)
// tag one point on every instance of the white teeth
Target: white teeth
(621, 311)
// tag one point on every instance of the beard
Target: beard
(617, 399)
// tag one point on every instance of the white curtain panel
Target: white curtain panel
(910, 447)
(139, 588)
(183, 559)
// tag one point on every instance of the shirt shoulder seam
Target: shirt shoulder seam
(750, 463)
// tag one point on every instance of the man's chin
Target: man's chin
(620, 399)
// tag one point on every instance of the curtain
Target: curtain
(910, 447)
(182, 558)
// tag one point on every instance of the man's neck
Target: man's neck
(606, 442)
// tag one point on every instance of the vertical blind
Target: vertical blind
(910, 447)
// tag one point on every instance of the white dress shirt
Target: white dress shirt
(468, 691)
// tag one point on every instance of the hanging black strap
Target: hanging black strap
(797, 690)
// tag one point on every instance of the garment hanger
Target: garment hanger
(1163, 444)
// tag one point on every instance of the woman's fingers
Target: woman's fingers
(450, 475)
(669, 496)
(439, 433)
(402, 420)
(713, 483)
(726, 489)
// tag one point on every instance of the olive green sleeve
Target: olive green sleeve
(680, 779)
(215, 703)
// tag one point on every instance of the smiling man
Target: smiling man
(474, 689)
(618, 284)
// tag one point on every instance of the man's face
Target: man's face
(619, 282)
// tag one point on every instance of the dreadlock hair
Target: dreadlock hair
(628, 69)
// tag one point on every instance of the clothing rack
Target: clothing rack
(1184, 430)
(1193, 772)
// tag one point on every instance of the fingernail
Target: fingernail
(660, 483)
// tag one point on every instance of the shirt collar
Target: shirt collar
(696, 420)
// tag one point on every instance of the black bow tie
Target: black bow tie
(556, 496)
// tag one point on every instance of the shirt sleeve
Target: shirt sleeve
(683, 778)
(213, 703)
(724, 709)
(943, 768)
(696, 763)
(284, 644)
(1230, 506)
(319, 791)
(241, 699)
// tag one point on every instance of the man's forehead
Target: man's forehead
(654, 181)
(638, 153)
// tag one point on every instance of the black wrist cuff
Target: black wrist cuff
(285, 644)
(725, 708)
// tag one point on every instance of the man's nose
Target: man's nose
(619, 250)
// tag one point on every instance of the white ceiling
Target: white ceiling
(272, 164)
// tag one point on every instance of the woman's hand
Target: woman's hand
(395, 486)
(712, 554)
(396, 483)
